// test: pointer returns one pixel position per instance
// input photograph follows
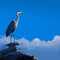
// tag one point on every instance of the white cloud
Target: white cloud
(44, 50)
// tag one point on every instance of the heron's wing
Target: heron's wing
(10, 28)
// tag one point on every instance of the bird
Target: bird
(13, 25)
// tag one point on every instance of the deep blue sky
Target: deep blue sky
(40, 18)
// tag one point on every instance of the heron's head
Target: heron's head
(18, 12)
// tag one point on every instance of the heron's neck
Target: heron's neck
(17, 20)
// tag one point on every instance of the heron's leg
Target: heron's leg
(11, 38)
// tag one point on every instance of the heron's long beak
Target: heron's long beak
(19, 12)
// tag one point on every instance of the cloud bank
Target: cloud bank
(44, 50)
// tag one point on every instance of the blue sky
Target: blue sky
(40, 19)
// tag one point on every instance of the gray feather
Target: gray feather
(10, 29)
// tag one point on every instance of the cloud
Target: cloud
(44, 50)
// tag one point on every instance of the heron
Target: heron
(13, 25)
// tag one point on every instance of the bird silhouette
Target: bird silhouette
(13, 25)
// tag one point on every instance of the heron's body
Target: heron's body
(12, 26)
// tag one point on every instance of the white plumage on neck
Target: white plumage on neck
(17, 20)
